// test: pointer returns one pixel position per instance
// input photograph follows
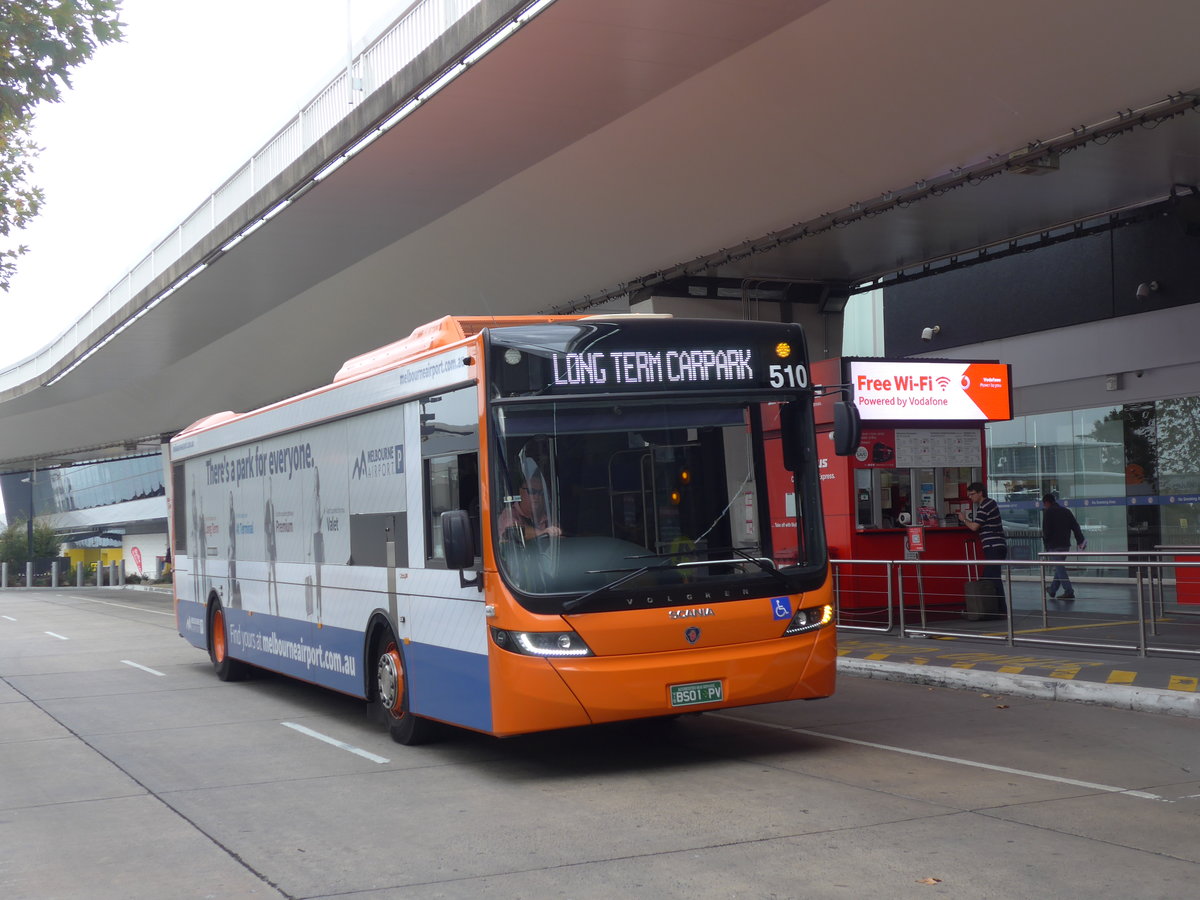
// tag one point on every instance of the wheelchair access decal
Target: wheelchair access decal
(781, 608)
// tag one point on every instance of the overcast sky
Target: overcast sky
(152, 127)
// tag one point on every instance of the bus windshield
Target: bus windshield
(634, 502)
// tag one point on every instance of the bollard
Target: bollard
(3, 575)
(54, 573)
(112, 574)
(121, 573)
(79, 574)
(29, 574)
(99, 574)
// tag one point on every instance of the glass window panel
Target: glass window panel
(99, 484)
(639, 496)
(1178, 466)
(449, 446)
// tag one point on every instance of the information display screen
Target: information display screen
(651, 355)
(924, 391)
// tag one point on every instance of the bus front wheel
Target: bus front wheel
(391, 696)
(227, 668)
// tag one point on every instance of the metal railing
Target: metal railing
(384, 58)
(1154, 609)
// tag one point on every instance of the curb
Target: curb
(1116, 696)
(158, 589)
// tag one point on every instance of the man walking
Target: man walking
(1058, 524)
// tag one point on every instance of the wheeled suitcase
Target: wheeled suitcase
(983, 601)
(984, 597)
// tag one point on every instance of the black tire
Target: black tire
(389, 694)
(657, 725)
(227, 668)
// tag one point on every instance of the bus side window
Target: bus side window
(450, 482)
(450, 463)
(179, 511)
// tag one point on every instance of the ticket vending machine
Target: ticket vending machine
(898, 496)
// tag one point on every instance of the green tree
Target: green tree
(14, 542)
(41, 41)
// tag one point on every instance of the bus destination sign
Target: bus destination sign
(652, 367)
(672, 368)
(598, 357)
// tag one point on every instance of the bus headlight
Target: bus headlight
(809, 619)
(541, 643)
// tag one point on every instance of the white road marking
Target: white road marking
(10, 618)
(341, 745)
(157, 612)
(59, 636)
(129, 662)
(1108, 788)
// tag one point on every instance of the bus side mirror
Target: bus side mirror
(847, 428)
(459, 544)
(790, 421)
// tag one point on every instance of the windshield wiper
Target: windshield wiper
(669, 561)
(572, 605)
(765, 564)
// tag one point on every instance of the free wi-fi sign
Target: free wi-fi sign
(964, 391)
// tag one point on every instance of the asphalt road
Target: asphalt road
(128, 771)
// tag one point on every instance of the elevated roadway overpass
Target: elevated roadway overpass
(778, 151)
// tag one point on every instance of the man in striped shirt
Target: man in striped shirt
(986, 523)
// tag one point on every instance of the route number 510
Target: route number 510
(789, 376)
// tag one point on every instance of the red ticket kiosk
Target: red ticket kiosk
(899, 495)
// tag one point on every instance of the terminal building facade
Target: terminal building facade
(1100, 331)
(104, 512)
(1098, 325)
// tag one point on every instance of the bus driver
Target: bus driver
(526, 518)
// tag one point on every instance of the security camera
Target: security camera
(927, 333)
(1146, 288)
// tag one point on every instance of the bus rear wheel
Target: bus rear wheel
(391, 695)
(227, 668)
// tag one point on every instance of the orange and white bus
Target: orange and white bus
(520, 524)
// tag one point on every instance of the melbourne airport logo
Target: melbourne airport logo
(379, 462)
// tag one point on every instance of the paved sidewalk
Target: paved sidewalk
(1159, 684)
